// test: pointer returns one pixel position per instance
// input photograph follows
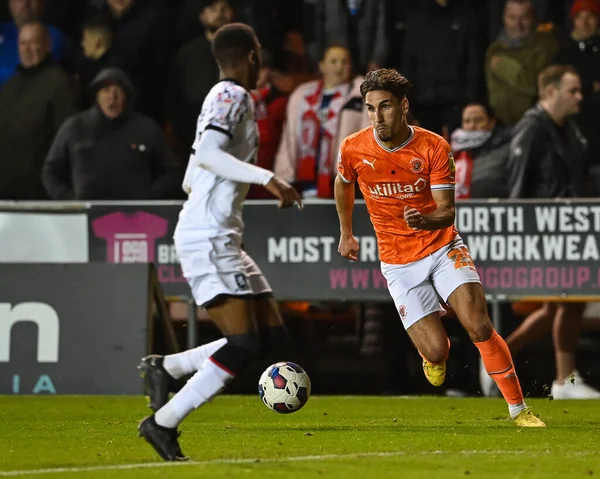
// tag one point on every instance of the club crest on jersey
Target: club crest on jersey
(402, 312)
(416, 165)
(451, 164)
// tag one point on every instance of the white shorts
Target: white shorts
(416, 288)
(218, 266)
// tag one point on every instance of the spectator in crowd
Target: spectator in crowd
(95, 54)
(320, 114)
(547, 160)
(33, 104)
(142, 44)
(581, 49)
(546, 11)
(481, 154)
(442, 54)
(23, 11)
(272, 20)
(270, 106)
(193, 73)
(514, 60)
(359, 25)
(110, 152)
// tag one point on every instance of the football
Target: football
(284, 387)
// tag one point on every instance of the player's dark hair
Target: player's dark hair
(489, 111)
(233, 42)
(387, 80)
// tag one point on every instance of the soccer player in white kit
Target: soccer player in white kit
(208, 238)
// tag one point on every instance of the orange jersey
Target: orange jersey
(392, 179)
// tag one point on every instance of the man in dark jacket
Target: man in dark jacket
(33, 104)
(547, 160)
(581, 49)
(110, 152)
(481, 154)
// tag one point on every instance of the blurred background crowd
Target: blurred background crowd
(99, 98)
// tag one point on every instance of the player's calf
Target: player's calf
(239, 352)
(158, 383)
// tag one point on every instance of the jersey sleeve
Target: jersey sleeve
(442, 170)
(224, 108)
(346, 169)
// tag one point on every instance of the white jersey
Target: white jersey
(214, 206)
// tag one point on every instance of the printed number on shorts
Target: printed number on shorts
(461, 258)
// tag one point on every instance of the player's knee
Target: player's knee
(240, 350)
(481, 330)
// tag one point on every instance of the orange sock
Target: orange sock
(499, 365)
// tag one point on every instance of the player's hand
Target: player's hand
(413, 218)
(286, 193)
(348, 247)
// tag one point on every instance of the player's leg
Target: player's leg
(536, 325)
(429, 337)
(457, 282)
(419, 308)
(567, 325)
(234, 316)
(274, 335)
(160, 372)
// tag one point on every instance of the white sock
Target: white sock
(515, 409)
(201, 388)
(190, 361)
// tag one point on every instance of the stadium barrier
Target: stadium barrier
(69, 328)
(536, 250)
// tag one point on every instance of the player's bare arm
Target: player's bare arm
(344, 204)
(442, 217)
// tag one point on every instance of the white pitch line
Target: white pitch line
(323, 457)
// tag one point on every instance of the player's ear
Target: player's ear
(404, 104)
(253, 57)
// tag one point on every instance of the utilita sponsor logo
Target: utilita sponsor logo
(398, 190)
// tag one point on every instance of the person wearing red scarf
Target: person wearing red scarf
(320, 114)
(480, 149)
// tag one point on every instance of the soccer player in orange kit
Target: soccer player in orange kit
(406, 175)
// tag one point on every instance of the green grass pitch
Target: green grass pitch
(332, 437)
